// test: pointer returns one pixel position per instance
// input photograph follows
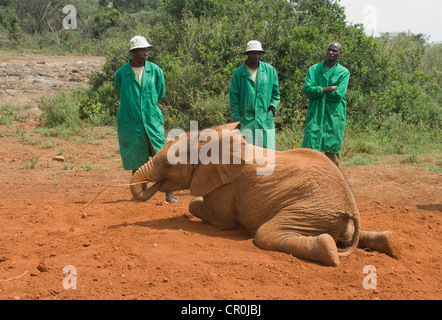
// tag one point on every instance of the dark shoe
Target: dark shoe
(171, 198)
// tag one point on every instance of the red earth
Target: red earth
(123, 249)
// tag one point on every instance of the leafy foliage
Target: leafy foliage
(395, 78)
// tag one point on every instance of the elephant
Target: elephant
(302, 205)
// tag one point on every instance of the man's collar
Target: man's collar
(147, 67)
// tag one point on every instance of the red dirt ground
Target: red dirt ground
(123, 249)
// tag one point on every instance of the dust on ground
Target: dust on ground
(122, 249)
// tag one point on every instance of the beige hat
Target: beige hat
(254, 46)
(138, 42)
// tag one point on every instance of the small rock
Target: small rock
(59, 158)
(42, 266)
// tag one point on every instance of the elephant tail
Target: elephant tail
(355, 239)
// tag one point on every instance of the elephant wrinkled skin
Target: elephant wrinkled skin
(303, 207)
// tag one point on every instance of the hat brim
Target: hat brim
(251, 50)
(141, 47)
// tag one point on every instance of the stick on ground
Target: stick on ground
(110, 186)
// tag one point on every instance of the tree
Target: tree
(35, 14)
(10, 21)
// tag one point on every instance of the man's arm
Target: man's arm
(341, 88)
(329, 89)
(276, 97)
(234, 99)
(310, 88)
(160, 85)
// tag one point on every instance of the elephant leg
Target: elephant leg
(322, 248)
(385, 241)
(221, 217)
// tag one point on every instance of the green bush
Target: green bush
(10, 21)
(7, 114)
(394, 96)
(61, 110)
(208, 111)
(289, 138)
(99, 107)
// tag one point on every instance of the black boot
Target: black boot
(171, 198)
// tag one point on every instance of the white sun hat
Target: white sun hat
(254, 45)
(138, 42)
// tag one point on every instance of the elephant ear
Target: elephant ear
(210, 176)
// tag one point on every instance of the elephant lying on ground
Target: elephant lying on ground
(302, 206)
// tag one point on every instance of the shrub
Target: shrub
(394, 94)
(289, 138)
(99, 107)
(7, 114)
(61, 110)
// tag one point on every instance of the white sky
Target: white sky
(416, 16)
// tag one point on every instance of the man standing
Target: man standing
(325, 86)
(140, 86)
(254, 97)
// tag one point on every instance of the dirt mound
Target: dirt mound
(121, 249)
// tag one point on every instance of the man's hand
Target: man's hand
(329, 89)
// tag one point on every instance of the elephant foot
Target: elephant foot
(196, 207)
(321, 248)
(391, 245)
(385, 242)
(326, 250)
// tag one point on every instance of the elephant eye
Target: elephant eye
(166, 164)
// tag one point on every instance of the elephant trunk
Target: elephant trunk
(356, 234)
(138, 189)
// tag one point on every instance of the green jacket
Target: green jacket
(140, 121)
(250, 105)
(326, 114)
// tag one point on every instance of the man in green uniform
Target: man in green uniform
(140, 86)
(254, 97)
(325, 86)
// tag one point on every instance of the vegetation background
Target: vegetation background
(394, 96)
